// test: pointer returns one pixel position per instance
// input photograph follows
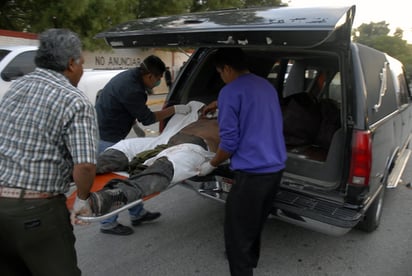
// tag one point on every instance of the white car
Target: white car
(16, 61)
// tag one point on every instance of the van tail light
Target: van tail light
(361, 159)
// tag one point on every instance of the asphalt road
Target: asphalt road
(188, 240)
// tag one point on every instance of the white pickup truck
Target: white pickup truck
(16, 61)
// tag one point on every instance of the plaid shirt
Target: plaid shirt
(46, 126)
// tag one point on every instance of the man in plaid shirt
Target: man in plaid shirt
(48, 139)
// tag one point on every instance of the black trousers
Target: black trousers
(36, 238)
(248, 205)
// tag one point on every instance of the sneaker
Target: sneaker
(145, 218)
(119, 229)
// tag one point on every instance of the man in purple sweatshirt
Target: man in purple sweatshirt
(251, 135)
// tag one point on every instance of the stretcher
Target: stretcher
(98, 184)
(213, 187)
(110, 214)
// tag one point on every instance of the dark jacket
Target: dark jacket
(121, 102)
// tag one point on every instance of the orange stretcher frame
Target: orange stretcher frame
(98, 184)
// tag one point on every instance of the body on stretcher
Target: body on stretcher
(181, 163)
(170, 167)
(218, 191)
(201, 185)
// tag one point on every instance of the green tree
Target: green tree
(398, 33)
(376, 35)
(95, 16)
(88, 17)
(366, 33)
(153, 8)
(268, 3)
(16, 15)
(210, 5)
(374, 29)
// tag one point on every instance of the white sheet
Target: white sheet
(132, 146)
(186, 159)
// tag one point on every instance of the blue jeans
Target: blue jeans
(111, 222)
(134, 212)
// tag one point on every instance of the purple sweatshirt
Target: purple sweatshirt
(251, 125)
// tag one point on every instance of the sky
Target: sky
(394, 12)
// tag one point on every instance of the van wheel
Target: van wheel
(373, 215)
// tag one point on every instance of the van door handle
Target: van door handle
(384, 86)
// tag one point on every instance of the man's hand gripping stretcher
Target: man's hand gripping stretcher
(187, 143)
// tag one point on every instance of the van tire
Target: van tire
(373, 215)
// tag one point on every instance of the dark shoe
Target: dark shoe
(145, 218)
(106, 200)
(120, 230)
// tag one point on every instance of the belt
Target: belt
(24, 193)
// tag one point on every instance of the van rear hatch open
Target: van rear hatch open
(276, 26)
(317, 39)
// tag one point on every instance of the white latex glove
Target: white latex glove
(182, 109)
(205, 168)
(80, 207)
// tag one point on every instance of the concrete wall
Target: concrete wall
(129, 58)
(17, 38)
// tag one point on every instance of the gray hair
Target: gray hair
(57, 47)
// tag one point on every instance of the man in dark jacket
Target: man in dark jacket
(121, 102)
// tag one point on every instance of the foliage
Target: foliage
(84, 17)
(374, 29)
(88, 17)
(152, 8)
(209, 5)
(252, 3)
(376, 35)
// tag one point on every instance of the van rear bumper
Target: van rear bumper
(316, 214)
(313, 213)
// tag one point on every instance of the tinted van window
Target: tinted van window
(399, 81)
(381, 99)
